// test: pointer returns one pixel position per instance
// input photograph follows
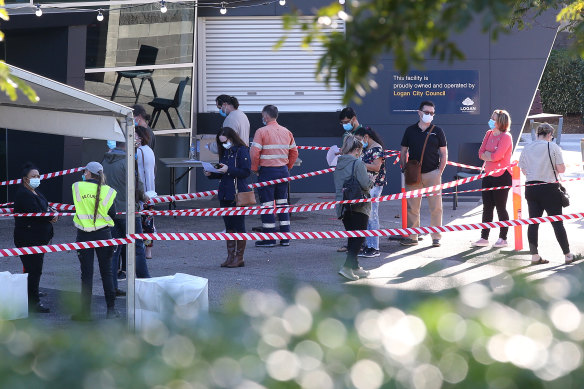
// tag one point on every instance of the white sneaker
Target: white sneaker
(347, 272)
(361, 273)
(480, 243)
(500, 243)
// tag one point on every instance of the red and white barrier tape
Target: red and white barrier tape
(203, 236)
(189, 196)
(45, 176)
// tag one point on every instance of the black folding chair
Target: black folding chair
(146, 56)
(468, 154)
(161, 104)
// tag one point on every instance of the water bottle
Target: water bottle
(192, 151)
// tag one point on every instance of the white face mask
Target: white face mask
(427, 118)
(34, 182)
(227, 145)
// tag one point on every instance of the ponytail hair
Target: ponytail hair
(100, 177)
(231, 100)
(362, 131)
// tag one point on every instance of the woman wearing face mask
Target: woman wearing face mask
(32, 231)
(496, 151)
(375, 164)
(234, 170)
(146, 172)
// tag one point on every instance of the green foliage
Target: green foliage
(501, 334)
(562, 83)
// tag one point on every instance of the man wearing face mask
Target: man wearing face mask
(433, 163)
(348, 119)
(273, 153)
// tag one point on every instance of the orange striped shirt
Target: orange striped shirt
(273, 146)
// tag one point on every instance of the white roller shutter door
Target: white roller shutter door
(237, 58)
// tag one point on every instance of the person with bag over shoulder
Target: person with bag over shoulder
(539, 161)
(234, 170)
(94, 213)
(352, 182)
(423, 167)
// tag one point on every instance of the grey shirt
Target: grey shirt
(343, 172)
(535, 161)
(240, 124)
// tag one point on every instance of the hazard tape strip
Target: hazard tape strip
(189, 196)
(203, 236)
(45, 176)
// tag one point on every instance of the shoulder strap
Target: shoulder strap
(553, 167)
(425, 142)
(235, 179)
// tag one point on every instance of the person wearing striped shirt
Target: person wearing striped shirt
(273, 153)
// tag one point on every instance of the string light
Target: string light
(99, 15)
(282, 2)
(38, 11)
(341, 2)
(223, 10)
(163, 8)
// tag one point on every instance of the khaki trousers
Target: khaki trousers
(435, 202)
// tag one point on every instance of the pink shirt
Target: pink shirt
(501, 148)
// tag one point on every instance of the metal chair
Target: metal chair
(161, 104)
(468, 154)
(146, 56)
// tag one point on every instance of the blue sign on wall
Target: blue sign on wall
(453, 91)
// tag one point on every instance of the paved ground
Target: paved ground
(316, 261)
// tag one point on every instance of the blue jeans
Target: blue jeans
(119, 231)
(279, 193)
(373, 223)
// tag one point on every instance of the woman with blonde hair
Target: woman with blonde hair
(496, 151)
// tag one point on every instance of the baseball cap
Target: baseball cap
(94, 167)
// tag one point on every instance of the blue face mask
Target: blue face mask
(347, 126)
(34, 182)
(365, 144)
(264, 122)
(111, 144)
(491, 124)
(83, 177)
(222, 113)
(136, 123)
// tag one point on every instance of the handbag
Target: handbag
(564, 196)
(243, 199)
(351, 191)
(413, 168)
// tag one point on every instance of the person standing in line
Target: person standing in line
(32, 231)
(496, 151)
(433, 165)
(234, 171)
(349, 121)
(354, 216)
(114, 168)
(142, 119)
(146, 172)
(235, 119)
(273, 153)
(541, 161)
(375, 164)
(94, 213)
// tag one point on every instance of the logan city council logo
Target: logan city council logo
(468, 105)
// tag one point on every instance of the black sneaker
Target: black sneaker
(120, 292)
(38, 308)
(361, 252)
(408, 242)
(370, 252)
(112, 313)
(435, 242)
(121, 275)
(265, 243)
(285, 242)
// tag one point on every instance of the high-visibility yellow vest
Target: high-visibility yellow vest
(84, 200)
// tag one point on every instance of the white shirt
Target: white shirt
(146, 162)
(535, 161)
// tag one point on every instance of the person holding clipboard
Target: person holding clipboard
(233, 171)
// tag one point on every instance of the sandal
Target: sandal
(575, 257)
(540, 261)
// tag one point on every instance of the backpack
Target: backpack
(351, 191)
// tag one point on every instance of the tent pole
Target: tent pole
(130, 223)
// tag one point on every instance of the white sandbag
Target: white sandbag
(159, 298)
(13, 296)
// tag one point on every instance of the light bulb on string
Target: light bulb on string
(223, 10)
(163, 8)
(99, 15)
(38, 11)
(341, 2)
(282, 2)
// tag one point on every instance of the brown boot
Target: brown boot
(238, 261)
(231, 247)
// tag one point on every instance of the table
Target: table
(173, 163)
